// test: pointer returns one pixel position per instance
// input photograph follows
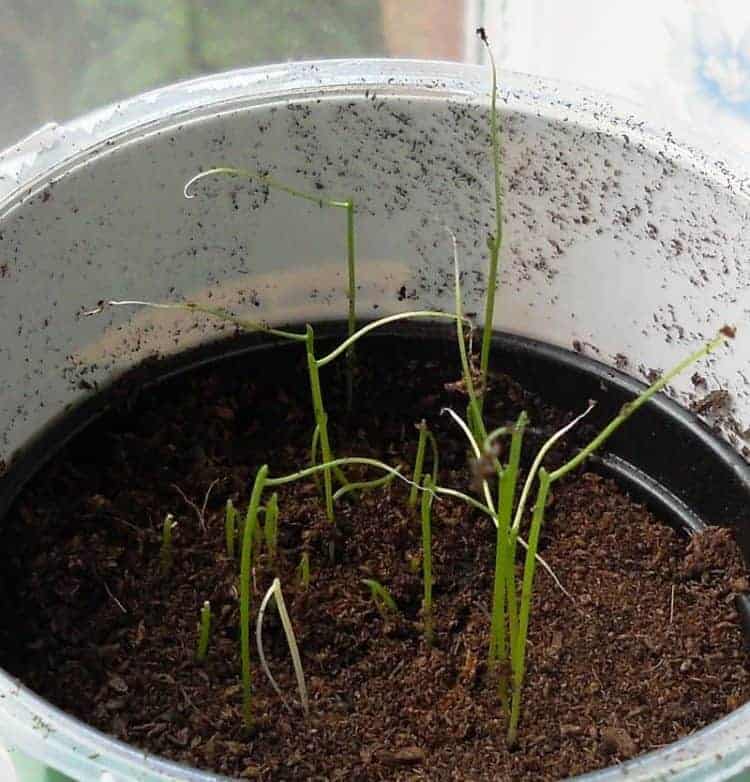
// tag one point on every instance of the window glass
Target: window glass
(59, 58)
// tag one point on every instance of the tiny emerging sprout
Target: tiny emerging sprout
(165, 556)
(230, 527)
(381, 597)
(427, 497)
(271, 526)
(205, 632)
(303, 570)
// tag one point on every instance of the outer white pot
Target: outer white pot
(617, 237)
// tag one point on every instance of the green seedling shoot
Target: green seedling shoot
(248, 535)
(275, 592)
(510, 617)
(382, 598)
(425, 435)
(314, 365)
(230, 527)
(346, 204)
(505, 557)
(271, 526)
(303, 570)
(494, 243)
(165, 555)
(205, 632)
(427, 497)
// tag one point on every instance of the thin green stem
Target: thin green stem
(474, 414)
(435, 456)
(230, 527)
(352, 296)
(314, 454)
(495, 242)
(427, 560)
(418, 463)
(344, 346)
(265, 179)
(518, 651)
(348, 460)
(271, 526)
(321, 419)
(341, 462)
(364, 485)
(320, 200)
(216, 312)
(630, 407)
(205, 632)
(536, 464)
(251, 523)
(512, 595)
(441, 491)
(504, 580)
(509, 477)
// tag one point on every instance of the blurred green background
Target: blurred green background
(59, 58)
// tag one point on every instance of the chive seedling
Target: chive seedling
(251, 523)
(494, 243)
(427, 497)
(230, 527)
(303, 570)
(425, 435)
(314, 365)
(545, 481)
(505, 550)
(205, 632)
(271, 526)
(347, 205)
(382, 598)
(165, 555)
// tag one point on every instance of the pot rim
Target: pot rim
(47, 153)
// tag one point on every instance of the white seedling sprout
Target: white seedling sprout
(275, 591)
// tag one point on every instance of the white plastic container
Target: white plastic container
(618, 238)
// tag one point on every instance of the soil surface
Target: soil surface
(646, 649)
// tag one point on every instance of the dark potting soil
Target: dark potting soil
(645, 649)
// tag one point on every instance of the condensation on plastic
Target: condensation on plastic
(619, 239)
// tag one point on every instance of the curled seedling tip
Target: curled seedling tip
(186, 190)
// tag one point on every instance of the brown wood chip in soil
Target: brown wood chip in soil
(649, 650)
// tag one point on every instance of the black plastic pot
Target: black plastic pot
(664, 455)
